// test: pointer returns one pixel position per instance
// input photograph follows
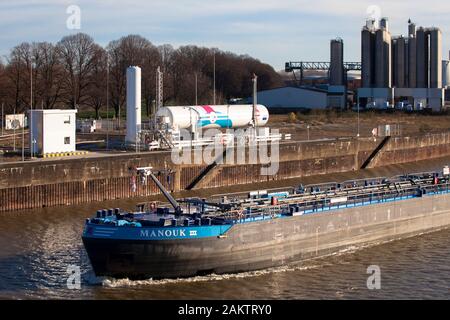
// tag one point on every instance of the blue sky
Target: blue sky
(274, 31)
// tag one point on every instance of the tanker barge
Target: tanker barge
(262, 229)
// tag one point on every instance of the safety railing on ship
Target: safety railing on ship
(300, 206)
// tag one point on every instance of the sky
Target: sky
(273, 31)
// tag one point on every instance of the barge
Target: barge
(262, 229)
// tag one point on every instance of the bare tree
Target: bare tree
(117, 75)
(47, 74)
(73, 73)
(3, 83)
(77, 54)
(132, 50)
(97, 89)
(18, 74)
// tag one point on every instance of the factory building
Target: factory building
(292, 98)
(53, 131)
(401, 69)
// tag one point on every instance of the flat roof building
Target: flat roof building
(52, 131)
(295, 98)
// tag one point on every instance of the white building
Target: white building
(286, 98)
(53, 131)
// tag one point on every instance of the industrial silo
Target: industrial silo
(133, 104)
(367, 57)
(406, 55)
(379, 59)
(337, 62)
(446, 74)
(412, 62)
(422, 53)
(399, 62)
(383, 59)
(435, 37)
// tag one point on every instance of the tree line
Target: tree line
(78, 73)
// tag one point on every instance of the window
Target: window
(66, 140)
(67, 119)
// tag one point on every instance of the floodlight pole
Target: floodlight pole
(30, 125)
(107, 102)
(3, 116)
(214, 77)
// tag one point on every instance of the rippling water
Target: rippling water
(37, 246)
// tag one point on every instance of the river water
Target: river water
(37, 246)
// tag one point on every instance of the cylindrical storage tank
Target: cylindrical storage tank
(379, 59)
(422, 58)
(394, 61)
(406, 67)
(445, 73)
(179, 117)
(219, 116)
(383, 59)
(412, 61)
(133, 104)
(337, 62)
(399, 70)
(435, 58)
(367, 58)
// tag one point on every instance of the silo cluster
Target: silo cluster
(414, 61)
(376, 55)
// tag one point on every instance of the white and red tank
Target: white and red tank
(213, 116)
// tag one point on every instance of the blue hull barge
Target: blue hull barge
(263, 229)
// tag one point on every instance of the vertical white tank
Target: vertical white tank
(133, 104)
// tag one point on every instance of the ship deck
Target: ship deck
(260, 205)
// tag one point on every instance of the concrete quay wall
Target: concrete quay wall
(73, 181)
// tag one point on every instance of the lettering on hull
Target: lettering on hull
(169, 233)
